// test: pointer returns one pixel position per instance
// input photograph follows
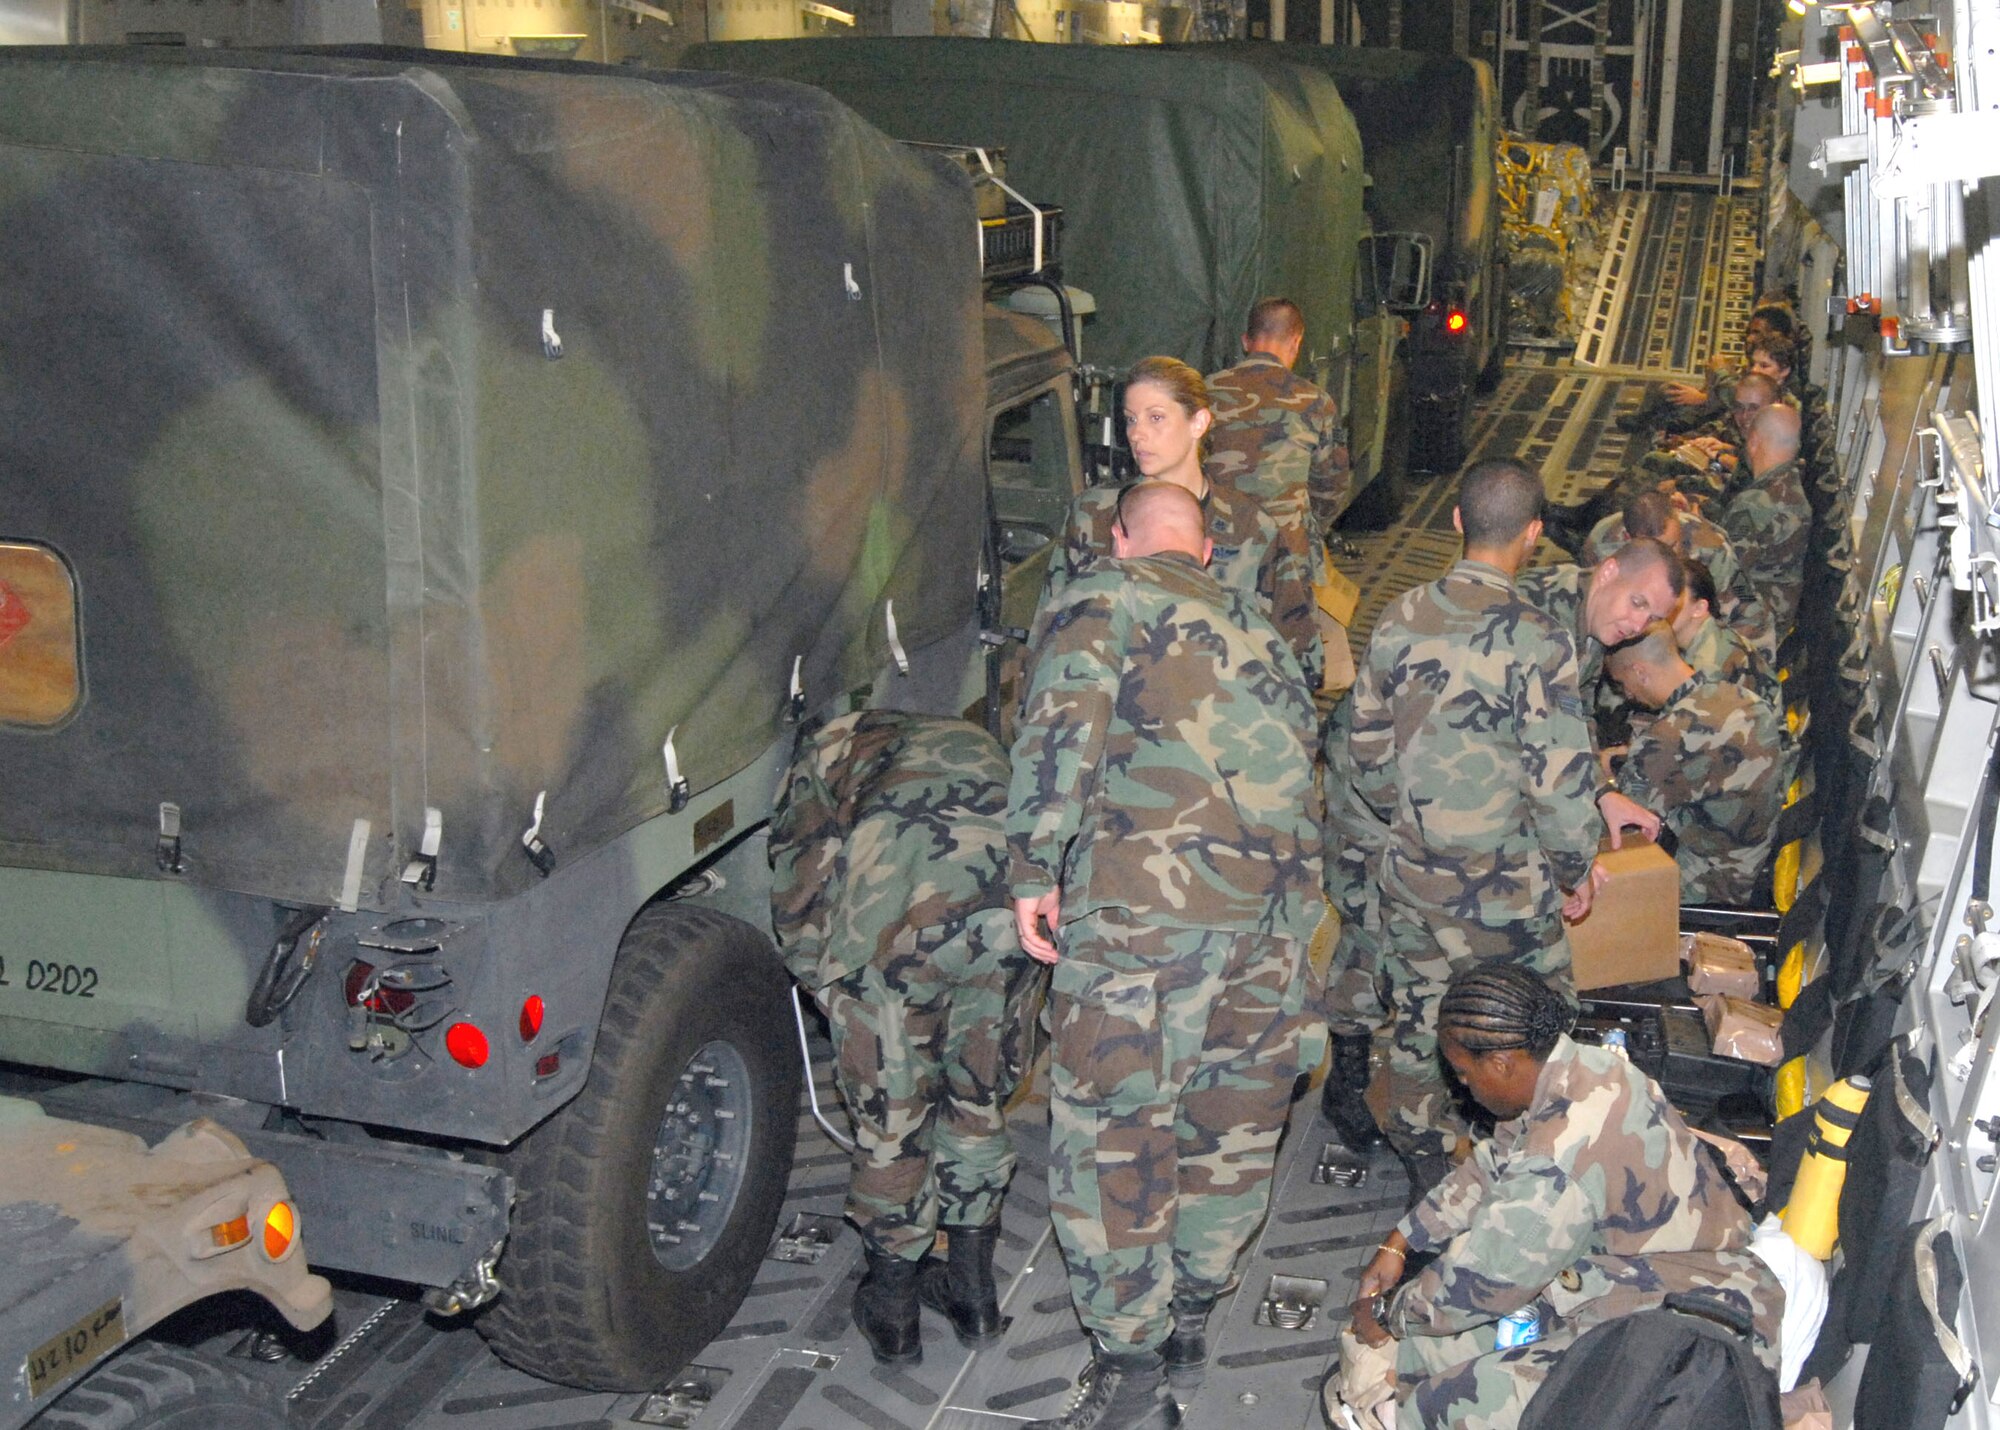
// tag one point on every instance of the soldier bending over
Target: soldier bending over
(889, 896)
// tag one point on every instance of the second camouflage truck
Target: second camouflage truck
(1193, 182)
(433, 490)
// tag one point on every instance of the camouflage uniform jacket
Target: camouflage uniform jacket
(1164, 763)
(1279, 440)
(1559, 591)
(887, 825)
(1469, 742)
(1720, 653)
(1701, 540)
(1597, 1201)
(1250, 557)
(1770, 521)
(1712, 764)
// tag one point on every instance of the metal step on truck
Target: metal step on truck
(434, 488)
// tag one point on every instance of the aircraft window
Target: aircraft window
(41, 671)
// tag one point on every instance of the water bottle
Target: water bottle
(1519, 1328)
(1615, 1038)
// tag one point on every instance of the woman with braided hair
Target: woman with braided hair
(1591, 1200)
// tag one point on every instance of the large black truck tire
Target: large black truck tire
(643, 1208)
(155, 1386)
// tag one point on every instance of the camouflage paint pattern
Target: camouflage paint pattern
(1279, 440)
(1597, 1202)
(1704, 541)
(1720, 652)
(1559, 591)
(1251, 556)
(929, 1045)
(1173, 1055)
(888, 896)
(1713, 764)
(1164, 763)
(1770, 521)
(1468, 740)
(1420, 954)
(1356, 839)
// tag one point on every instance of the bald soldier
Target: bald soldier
(1278, 439)
(889, 899)
(1164, 834)
(1469, 743)
(1769, 518)
(1712, 765)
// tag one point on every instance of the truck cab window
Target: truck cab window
(41, 670)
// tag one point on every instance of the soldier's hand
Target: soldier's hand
(1682, 394)
(1028, 916)
(1385, 1270)
(1367, 1329)
(1622, 812)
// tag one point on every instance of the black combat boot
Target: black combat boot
(885, 1309)
(1343, 1097)
(961, 1286)
(1186, 1350)
(1123, 1390)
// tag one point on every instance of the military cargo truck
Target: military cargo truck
(434, 489)
(1431, 127)
(1191, 183)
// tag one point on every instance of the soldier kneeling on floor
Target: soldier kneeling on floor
(889, 897)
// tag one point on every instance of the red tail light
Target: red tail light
(1456, 321)
(466, 1044)
(531, 1017)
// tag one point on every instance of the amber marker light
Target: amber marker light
(281, 1229)
(466, 1044)
(232, 1233)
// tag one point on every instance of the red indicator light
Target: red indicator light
(531, 1017)
(1455, 321)
(548, 1064)
(466, 1044)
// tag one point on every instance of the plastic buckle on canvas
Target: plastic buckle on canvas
(421, 871)
(677, 785)
(167, 853)
(539, 853)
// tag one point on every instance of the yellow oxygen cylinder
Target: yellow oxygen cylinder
(1812, 1217)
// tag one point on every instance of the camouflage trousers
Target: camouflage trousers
(1421, 951)
(1462, 1383)
(1352, 1002)
(1172, 1062)
(928, 1046)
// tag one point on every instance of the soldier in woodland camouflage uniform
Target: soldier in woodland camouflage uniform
(889, 898)
(1715, 649)
(1356, 839)
(1592, 1200)
(1163, 824)
(1695, 538)
(1277, 438)
(1469, 743)
(1712, 764)
(1613, 601)
(1251, 553)
(1769, 520)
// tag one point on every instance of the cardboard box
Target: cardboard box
(1339, 656)
(1720, 965)
(1743, 1029)
(1336, 595)
(1632, 933)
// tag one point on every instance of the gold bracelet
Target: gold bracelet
(1386, 1247)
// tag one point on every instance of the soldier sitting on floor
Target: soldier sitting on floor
(1591, 1200)
(889, 898)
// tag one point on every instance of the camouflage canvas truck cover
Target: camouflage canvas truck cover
(428, 494)
(1190, 187)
